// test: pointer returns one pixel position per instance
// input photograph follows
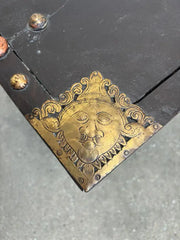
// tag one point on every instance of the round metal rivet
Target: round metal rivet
(97, 177)
(59, 152)
(18, 81)
(155, 126)
(126, 152)
(37, 21)
(3, 46)
(81, 180)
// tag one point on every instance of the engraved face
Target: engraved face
(91, 128)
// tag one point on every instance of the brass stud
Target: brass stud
(156, 126)
(126, 153)
(37, 21)
(18, 81)
(59, 152)
(97, 177)
(81, 180)
(3, 46)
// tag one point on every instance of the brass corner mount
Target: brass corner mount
(92, 128)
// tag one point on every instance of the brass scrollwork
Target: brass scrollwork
(92, 128)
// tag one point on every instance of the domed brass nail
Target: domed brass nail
(37, 21)
(18, 81)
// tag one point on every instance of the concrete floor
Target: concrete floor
(140, 200)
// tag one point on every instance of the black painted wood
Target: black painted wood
(134, 43)
(15, 14)
(164, 102)
(31, 96)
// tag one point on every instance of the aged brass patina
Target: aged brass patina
(37, 21)
(92, 128)
(18, 81)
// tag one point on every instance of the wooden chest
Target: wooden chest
(96, 79)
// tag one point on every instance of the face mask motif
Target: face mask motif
(92, 128)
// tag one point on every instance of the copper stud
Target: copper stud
(3, 46)
(37, 21)
(18, 81)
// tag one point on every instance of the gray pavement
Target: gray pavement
(139, 200)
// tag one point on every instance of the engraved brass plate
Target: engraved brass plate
(92, 128)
